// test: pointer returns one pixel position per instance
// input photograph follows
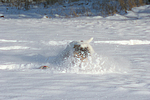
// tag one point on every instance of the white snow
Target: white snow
(119, 69)
(126, 42)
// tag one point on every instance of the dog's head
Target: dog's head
(81, 52)
(80, 49)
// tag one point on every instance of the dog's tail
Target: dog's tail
(88, 41)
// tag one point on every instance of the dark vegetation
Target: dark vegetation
(77, 8)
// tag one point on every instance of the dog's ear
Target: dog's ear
(88, 41)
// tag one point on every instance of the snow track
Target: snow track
(98, 64)
(126, 42)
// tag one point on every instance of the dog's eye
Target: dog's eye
(82, 49)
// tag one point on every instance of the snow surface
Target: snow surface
(119, 70)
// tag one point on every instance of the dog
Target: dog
(79, 50)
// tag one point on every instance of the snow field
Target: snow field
(119, 69)
(34, 45)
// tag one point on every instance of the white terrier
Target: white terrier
(78, 49)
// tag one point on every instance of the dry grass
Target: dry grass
(101, 7)
(75, 14)
(129, 4)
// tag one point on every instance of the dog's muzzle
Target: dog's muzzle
(80, 52)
